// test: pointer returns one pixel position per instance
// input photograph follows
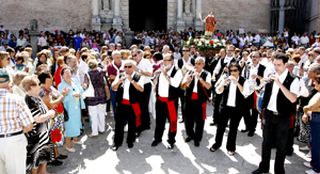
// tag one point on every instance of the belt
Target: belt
(274, 113)
(10, 134)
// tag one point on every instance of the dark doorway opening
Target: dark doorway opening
(147, 15)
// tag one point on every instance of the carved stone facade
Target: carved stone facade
(250, 15)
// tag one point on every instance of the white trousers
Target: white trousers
(13, 154)
(97, 117)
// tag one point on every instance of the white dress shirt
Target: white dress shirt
(294, 88)
(163, 88)
(195, 87)
(226, 60)
(145, 66)
(126, 85)
(232, 95)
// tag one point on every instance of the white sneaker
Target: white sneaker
(71, 150)
(92, 136)
(311, 172)
(309, 154)
(77, 142)
(304, 148)
(307, 165)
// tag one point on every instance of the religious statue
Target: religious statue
(187, 6)
(210, 24)
(105, 4)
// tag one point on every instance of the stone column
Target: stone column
(95, 20)
(281, 16)
(117, 20)
(180, 21)
(34, 35)
(198, 22)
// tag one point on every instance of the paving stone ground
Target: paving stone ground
(96, 157)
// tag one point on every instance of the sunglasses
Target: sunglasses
(198, 63)
(129, 66)
(166, 59)
(233, 70)
(185, 50)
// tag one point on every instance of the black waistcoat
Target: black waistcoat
(174, 93)
(239, 96)
(203, 93)
(284, 105)
(134, 94)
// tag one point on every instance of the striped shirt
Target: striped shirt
(14, 113)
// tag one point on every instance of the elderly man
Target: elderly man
(197, 84)
(15, 119)
(113, 70)
(167, 82)
(129, 87)
(144, 68)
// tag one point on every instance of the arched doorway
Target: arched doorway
(147, 15)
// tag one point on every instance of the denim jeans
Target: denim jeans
(315, 141)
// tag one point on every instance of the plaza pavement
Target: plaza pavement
(95, 156)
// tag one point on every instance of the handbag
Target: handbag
(89, 92)
(65, 114)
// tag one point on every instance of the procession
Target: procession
(116, 93)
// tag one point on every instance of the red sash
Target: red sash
(172, 113)
(255, 100)
(194, 96)
(136, 110)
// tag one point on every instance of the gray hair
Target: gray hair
(200, 59)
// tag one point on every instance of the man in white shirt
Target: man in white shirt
(167, 91)
(277, 107)
(198, 90)
(295, 39)
(145, 69)
(42, 41)
(129, 87)
(304, 39)
(254, 73)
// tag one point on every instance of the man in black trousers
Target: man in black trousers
(277, 106)
(197, 83)
(129, 87)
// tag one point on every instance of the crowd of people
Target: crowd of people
(45, 100)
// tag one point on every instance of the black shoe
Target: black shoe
(212, 149)
(154, 143)
(289, 152)
(130, 145)
(196, 143)
(259, 171)
(244, 130)
(62, 157)
(102, 132)
(55, 163)
(138, 133)
(115, 147)
(170, 146)
(181, 121)
(188, 139)
(250, 134)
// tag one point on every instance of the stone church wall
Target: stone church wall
(50, 14)
(251, 15)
